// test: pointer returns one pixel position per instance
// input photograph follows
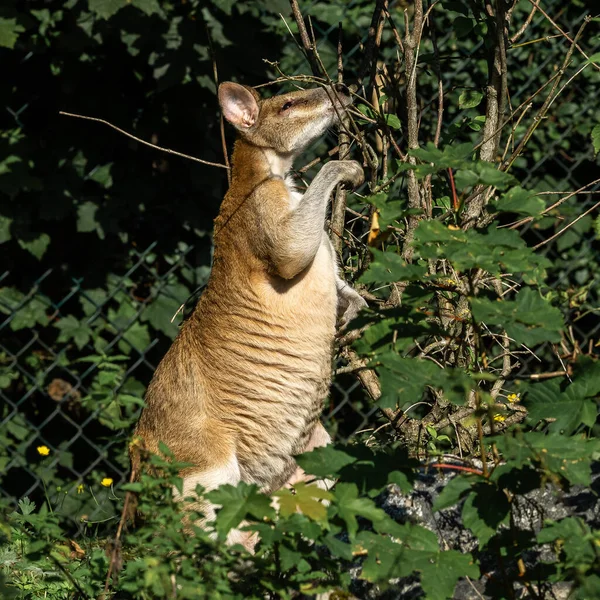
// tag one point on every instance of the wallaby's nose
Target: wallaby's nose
(340, 88)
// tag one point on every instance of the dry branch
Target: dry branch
(137, 139)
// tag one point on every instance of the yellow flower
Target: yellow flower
(80, 488)
(448, 281)
(499, 418)
(43, 450)
(513, 398)
(107, 482)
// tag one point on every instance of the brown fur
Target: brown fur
(241, 389)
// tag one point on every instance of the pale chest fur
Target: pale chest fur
(270, 361)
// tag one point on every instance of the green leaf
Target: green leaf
(569, 409)
(7, 377)
(160, 312)
(357, 464)
(9, 32)
(454, 491)
(485, 510)
(5, 223)
(440, 571)
(390, 209)
(567, 456)
(470, 99)
(5, 164)
(91, 300)
(574, 537)
(325, 461)
(387, 559)
(237, 503)
(349, 506)
(586, 378)
(290, 559)
(450, 157)
(72, 329)
(137, 336)
(384, 557)
(496, 250)
(86, 218)
(393, 121)
(102, 175)
(26, 506)
(337, 547)
(403, 380)
(366, 110)
(105, 9)
(594, 58)
(307, 500)
(520, 201)
(589, 588)
(482, 173)
(125, 321)
(149, 7)
(38, 246)
(529, 320)
(596, 138)
(388, 267)
(463, 26)
(31, 313)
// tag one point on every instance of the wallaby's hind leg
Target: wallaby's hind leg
(209, 479)
(319, 438)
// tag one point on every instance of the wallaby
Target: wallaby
(241, 389)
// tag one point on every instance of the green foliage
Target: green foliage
(496, 250)
(450, 298)
(596, 138)
(529, 319)
(300, 549)
(9, 32)
(576, 546)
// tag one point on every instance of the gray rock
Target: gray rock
(532, 509)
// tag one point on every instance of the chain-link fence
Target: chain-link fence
(76, 355)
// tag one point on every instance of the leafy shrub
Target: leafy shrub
(477, 343)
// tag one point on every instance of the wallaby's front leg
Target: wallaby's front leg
(298, 238)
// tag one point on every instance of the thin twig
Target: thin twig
(587, 212)
(557, 203)
(563, 33)
(306, 43)
(113, 559)
(137, 139)
(542, 112)
(338, 212)
(221, 119)
(374, 39)
(524, 27)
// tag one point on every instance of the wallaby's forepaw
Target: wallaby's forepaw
(350, 303)
(345, 171)
(352, 173)
(351, 312)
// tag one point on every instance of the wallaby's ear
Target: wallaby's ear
(239, 105)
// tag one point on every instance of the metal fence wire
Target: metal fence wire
(74, 363)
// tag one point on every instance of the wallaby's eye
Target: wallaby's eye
(287, 105)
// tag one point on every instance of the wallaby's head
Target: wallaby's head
(287, 123)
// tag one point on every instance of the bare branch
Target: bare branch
(221, 119)
(137, 139)
(553, 237)
(309, 50)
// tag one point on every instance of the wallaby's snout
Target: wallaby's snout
(342, 90)
(287, 123)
